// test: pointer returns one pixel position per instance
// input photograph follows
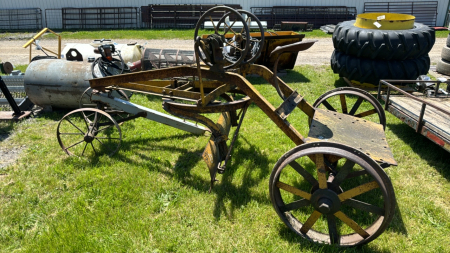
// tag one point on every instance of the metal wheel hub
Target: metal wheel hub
(325, 201)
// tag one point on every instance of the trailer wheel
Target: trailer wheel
(343, 198)
(371, 71)
(352, 101)
(383, 44)
(89, 132)
(443, 67)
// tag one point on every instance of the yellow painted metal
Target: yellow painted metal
(351, 223)
(321, 171)
(365, 136)
(37, 36)
(267, 74)
(310, 222)
(293, 190)
(158, 90)
(385, 21)
(358, 190)
(214, 94)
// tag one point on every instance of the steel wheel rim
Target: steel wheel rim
(374, 171)
(362, 95)
(88, 131)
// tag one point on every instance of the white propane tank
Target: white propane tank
(129, 52)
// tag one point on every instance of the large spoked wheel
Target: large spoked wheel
(344, 198)
(234, 50)
(352, 101)
(256, 44)
(88, 132)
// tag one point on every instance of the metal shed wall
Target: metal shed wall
(53, 4)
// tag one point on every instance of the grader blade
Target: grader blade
(216, 149)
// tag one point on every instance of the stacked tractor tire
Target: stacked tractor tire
(368, 55)
(443, 65)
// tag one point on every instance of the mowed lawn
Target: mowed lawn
(152, 196)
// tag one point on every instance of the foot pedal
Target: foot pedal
(289, 105)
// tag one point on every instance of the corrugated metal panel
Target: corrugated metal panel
(53, 4)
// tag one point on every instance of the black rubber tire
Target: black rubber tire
(383, 44)
(448, 40)
(371, 71)
(443, 67)
(445, 54)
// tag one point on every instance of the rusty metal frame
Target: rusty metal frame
(136, 82)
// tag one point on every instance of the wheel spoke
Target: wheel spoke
(106, 127)
(295, 205)
(293, 190)
(71, 133)
(74, 144)
(356, 106)
(305, 174)
(107, 147)
(366, 113)
(246, 21)
(68, 120)
(110, 138)
(228, 28)
(343, 172)
(343, 103)
(86, 117)
(321, 171)
(364, 206)
(215, 29)
(310, 222)
(352, 224)
(82, 153)
(358, 190)
(332, 229)
(356, 174)
(228, 43)
(328, 106)
(92, 145)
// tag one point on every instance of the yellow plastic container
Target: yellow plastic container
(385, 21)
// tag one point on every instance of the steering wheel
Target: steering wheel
(234, 50)
(256, 44)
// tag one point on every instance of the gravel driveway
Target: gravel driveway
(319, 54)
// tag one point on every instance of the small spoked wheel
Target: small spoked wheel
(353, 101)
(343, 198)
(89, 132)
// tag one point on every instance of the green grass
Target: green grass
(442, 34)
(152, 196)
(144, 34)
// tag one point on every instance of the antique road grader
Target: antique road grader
(331, 188)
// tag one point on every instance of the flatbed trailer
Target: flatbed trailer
(428, 115)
